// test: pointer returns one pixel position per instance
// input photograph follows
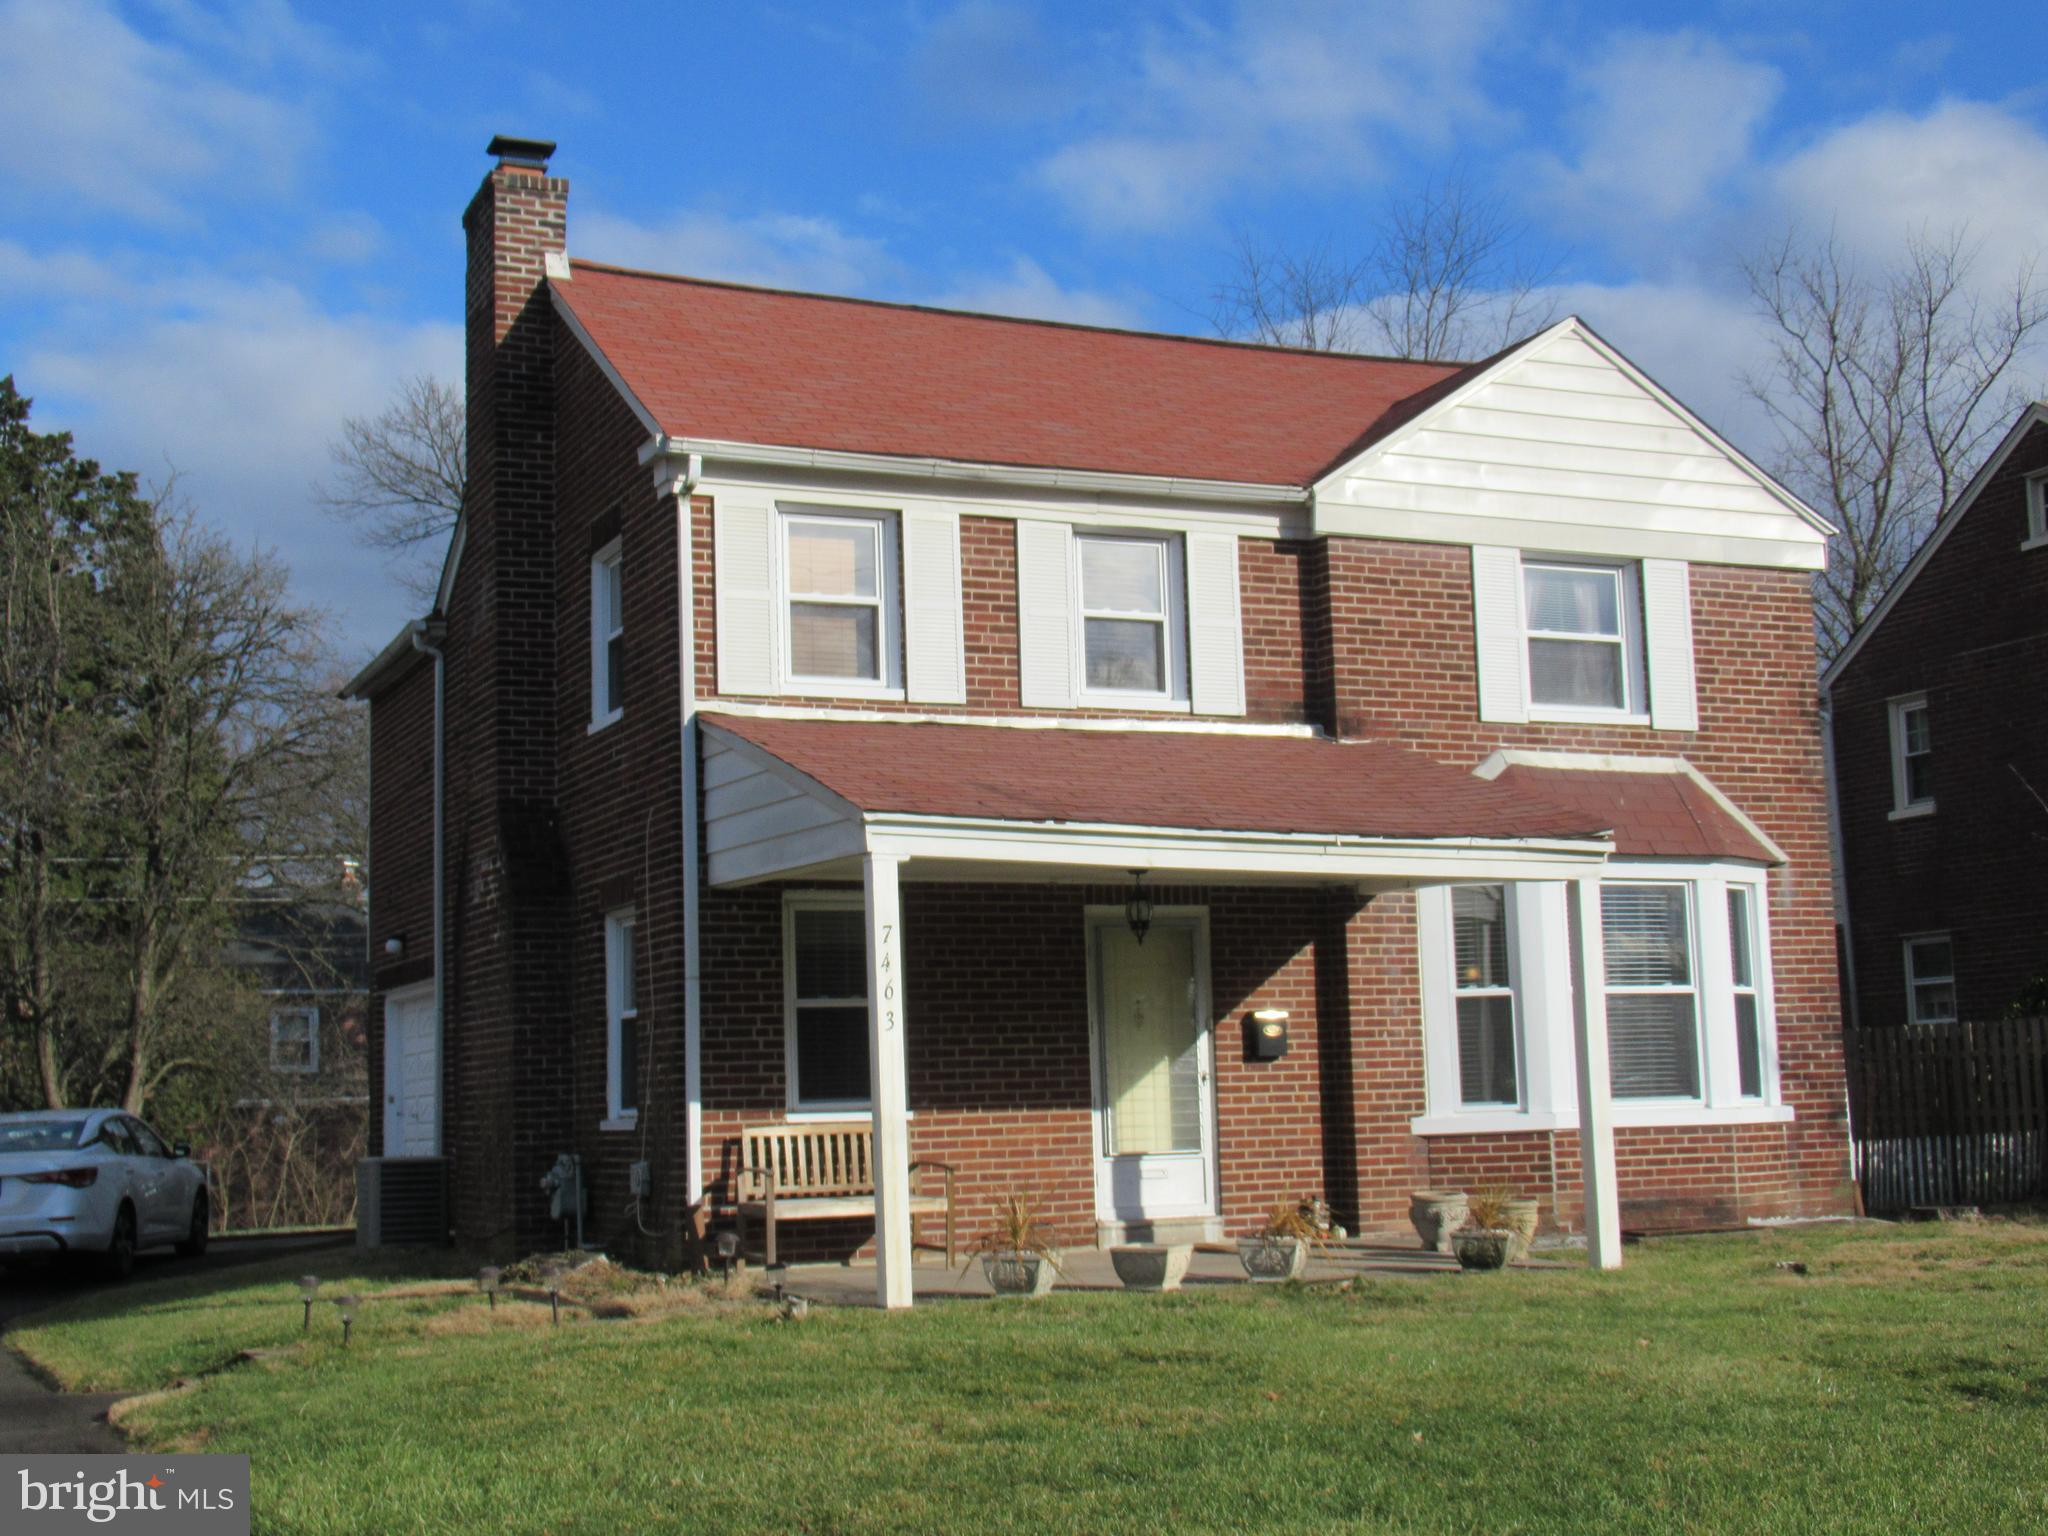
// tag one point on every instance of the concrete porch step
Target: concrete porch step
(1181, 1229)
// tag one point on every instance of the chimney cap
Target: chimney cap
(516, 151)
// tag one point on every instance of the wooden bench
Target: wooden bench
(821, 1172)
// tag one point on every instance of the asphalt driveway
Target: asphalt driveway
(35, 1417)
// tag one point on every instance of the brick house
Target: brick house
(1408, 696)
(1939, 727)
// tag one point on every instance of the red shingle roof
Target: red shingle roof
(1206, 782)
(1653, 815)
(715, 360)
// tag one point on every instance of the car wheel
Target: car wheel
(195, 1235)
(119, 1260)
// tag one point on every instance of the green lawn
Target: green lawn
(1900, 1385)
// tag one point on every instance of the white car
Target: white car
(96, 1181)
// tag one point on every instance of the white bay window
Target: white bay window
(1687, 983)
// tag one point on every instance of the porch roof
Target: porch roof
(1660, 808)
(1266, 805)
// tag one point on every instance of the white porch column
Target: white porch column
(886, 1079)
(1596, 1100)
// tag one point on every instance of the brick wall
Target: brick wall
(1971, 633)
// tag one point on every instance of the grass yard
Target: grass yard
(1901, 1384)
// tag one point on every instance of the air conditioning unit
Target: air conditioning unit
(402, 1202)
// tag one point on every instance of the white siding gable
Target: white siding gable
(1565, 446)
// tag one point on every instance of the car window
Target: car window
(117, 1138)
(147, 1141)
(41, 1135)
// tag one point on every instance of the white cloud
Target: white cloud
(104, 118)
(777, 250)
(1027, 289)
(1663, 121)
(1883, 177)
(238, 388)
(1283, 94)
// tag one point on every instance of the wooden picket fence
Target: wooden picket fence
(1949, 1114)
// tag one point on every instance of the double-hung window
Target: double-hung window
(1132, 646)
(837, 577)
(1912, 756)
(1747, 996)
(295, 1040)
(2037, 511)
(1584, 634)
(1653, 1037)
(607, 637)
(622, 1010)
(1485, 995)
(1930, 979)
(825, 990)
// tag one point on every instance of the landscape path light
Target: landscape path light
(487, 1281)
(309, 1288)
(551, 1277)
(347, 1306)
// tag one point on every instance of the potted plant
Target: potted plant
(1521, 1217)
(1436, 1214)
(1279, 1250)
(1020, 1253)
(1483, 1242)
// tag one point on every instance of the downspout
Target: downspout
(425, 638)
(693, 991)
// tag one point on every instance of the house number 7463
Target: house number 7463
(885, 961)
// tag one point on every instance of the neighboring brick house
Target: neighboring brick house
(1940, 732)
(305, 952)
(1410, 689)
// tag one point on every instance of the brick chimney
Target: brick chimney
(506, 1050)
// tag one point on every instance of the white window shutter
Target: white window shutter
(934, 662)
(1215, 629)
(1667, 622)
(1045, 615)
(743, 547)
(1497, 620)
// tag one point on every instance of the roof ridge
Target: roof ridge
(1450, 367)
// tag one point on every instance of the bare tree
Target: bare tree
(1445, 279)
(399, 477)
(1884, 387)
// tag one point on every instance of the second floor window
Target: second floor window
(1912, 756)
(1130, 615)
(295, 1040)
(837, 581)
(1584, 637)
(607, 636)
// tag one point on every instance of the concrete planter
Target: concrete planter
(1521, 1221)
(1478, 1248)
(1018, 1274)
(1151, 1266)
(1272, 1258)
(1436, 1214)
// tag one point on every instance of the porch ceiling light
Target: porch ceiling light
(1138, 910)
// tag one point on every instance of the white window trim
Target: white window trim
(1694, 988)
(1635, 667)
(1540, 965)
(1176, 696)
(2036, 491)
(888, 604)
(1895, 712)
(311, 1014)
(792, 903)
(605, 626)
(1914, 981)
(621, 926)
(1512, 991)
(1766, 1055)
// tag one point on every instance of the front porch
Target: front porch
(1123, 1058)
(1211, 1266)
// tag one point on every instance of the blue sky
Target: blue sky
(224, 227)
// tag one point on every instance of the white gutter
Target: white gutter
(423, 640)
(693, 987)
(698, 449)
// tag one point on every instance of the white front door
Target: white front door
(412, 1074)
(1155, 1148)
